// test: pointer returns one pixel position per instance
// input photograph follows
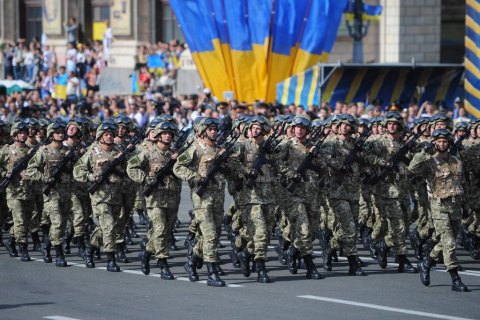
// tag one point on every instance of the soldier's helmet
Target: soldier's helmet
(442, 134)
(317, 123)
(422, 120)
(165, 126)
(17, 127)
(151, 126)
(441, 117)
(168, 118)
(85, 122)
(196, 123)
(56, 126)
(474, 124)
(393, 116)
(302, 120)
(106, 126)
(262, 122)
(32, 123)
(462, 125)
(43, 123)
(348, 119)
(364, 122)
(206, 123)
(80, 127)
(123, 120)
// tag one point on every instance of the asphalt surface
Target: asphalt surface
(36, 290)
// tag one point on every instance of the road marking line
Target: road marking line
(59, 318)
(384, 308)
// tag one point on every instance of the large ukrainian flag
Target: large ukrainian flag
(248, 46)
(472, 58)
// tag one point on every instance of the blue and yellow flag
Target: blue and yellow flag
(472, 58)
(248, 46)
(370, 12)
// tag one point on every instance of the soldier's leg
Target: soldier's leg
(78, 222)
(107, 216)
(34, 224)
(58, 213)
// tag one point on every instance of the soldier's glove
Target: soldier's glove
(296, 177)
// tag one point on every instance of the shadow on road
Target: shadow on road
(18, 305)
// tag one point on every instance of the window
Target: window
(101, 13)
(170, 28)
(34, 22)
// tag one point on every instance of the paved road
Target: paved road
(36, 290)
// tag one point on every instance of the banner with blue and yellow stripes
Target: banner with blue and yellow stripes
(472, 58)
(363, 83)
(248, 46)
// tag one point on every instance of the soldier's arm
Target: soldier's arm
(136, 168)
(419, 164)
(36, 166)
(374, 154)
(3, 161)
(182, 170)
(282, 152)
(82, 171)
(328, 156)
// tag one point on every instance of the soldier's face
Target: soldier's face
(374, 129)
(345, 129)
(58, 136)
(300, 132)
(212, 132)
(108, 137)
(477, 131)
(460, 133)
(152, 136)
(22, 136)
(255, 131)
(290, 131)
(440, 125)
(166, 137)
(442, 145)
(122, 131)
(32, 132)
(392, 127)
(72, 130)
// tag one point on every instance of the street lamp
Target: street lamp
(359, 29)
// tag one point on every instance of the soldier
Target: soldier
(19, 193)
(302, 214)
(162, 205)
(192, 166)
(392, 214)
(58, 202)
(5, 215)
(344, 195)
(106, 201)
(443, 173)
(259, 197)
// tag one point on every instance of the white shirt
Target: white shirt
(73, 86)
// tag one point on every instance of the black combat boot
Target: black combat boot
(66, 242)
(127, 237)
(233, 256)
(262, 272)
(457, 284)
(145, 261)
(121, 256)
(143, 243)
(335, 254)
(213, 277)
(327, 259)
(360, 261)
(219, 266)
(46, 247)
(190, 243)
(292, 256)
(472, 246)
(112, 263)
(312, 272)
(165, 270)
(81, 246)
(354, 267)
(424, 268)
(88, 257)
(404, 265)
(370, 244)
(172, 246)
(382, 252)
(244, 257)
(12, 247)
(59, 256)
(191, 268)
(24, 252)
(37, 244)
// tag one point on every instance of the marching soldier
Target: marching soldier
(106, 201)
(443, 173)
(162, 205)
(58, 202)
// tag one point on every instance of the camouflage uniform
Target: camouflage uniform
(162, 204)
(444, 180)
(18, 194)
(58, 203)
(106, 201)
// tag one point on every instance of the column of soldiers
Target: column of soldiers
(340, 180)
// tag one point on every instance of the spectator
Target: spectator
(73, 88)
(71, 30)
(107, 41)
(18, 61)
(462, 116)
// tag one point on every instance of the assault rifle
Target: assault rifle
(57, 171)
(392, 163)
(181, 138)
(116, 161)
(457, 145)
(20, 166)
(306, 162)
(353, 156)
(261, 159)
(216, 165)
(165, 170)
(223, 136)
